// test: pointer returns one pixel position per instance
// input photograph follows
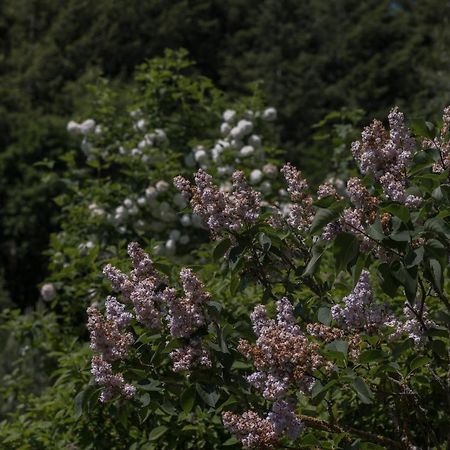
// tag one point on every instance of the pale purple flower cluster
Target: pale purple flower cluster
(144, 289)
(251, 429)
(107, 335)
(282, 355)
(115, 312)
(262, 433)
(357, 193)
(190, 356)
(301, 212)
(359, 311)
(221, 210)
(141, 287)
(147, 301)
(284, 420)
(272, 386)
(326, 190)
(387, 156)
(411, 327)
(184, 317)
(113, 343)
(441, 143)
(113, 383)
(297, 185)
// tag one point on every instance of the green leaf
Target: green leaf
(221, 248)
(363, 391)
(375, 231)
(145, 400)
(345, 249)
(419, 361)
(437, 225)
(265, 241)
(208, 394)
(400, 211)
(323, 217)
(408, 279)
(370, 356)
(79, 400)
(187, 399)
(436, 273)
(231, 441)
(319, 390)
(421, 128)
(324, 315)
(235, 282)
(414, 257)
(314, 262)
(338, 346)
(157, 432)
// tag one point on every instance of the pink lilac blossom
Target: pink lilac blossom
(300, 214)
(147, 302)
(387, 156)
(357, 193)
(251, 429)
(284, 420)
(112, 383)
(119, 281)
(272, 386)
(359, 311)
(185, 315)
(190, 356)
(115, 312)
(297, 185)
(263, 433)
(281, 351)
(144, 289)
(331, 230)
(410, 327)
(221, 210)
(441, 143)
(143, 265)
(107, 337)
(326, 190)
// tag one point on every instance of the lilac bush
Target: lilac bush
(348, 294)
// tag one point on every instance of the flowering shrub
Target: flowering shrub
(252, 310)
(357, 354)
(119, 182)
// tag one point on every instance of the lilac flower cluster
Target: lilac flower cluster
(251, 429)
(284, 358)
(221, 210)
(412, 326)
(326, 190)
(387, 156)
(190, 356)
(300, 213)
(262, 433)
(441, 143)
(282, 355)
(107, 335)
(153, 304)
(184, 317)
(359, 311)
(113, 383)
(113, 343)
(355, 219)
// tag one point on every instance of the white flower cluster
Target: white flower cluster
(238, 144)
(156, 208)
